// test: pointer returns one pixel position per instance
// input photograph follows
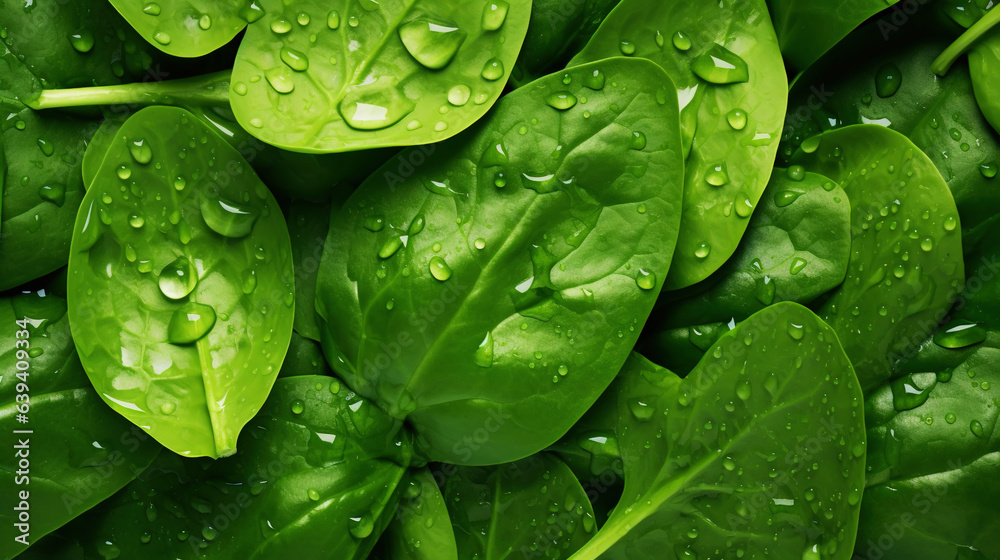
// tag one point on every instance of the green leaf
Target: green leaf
(305, 357)
(329, 77)
(932, 463)
(938, 114)
(78, 452)
(808, 29)
(308, 224)
(534, 507)
(759, 450)
(420, 530)
(497, 290)
(180, 283)
(188, 28)
(45, 46)
(796, 249)
(906, 251)
(730, 119)
(316, 478)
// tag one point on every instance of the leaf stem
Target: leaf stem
(943, 62)
(212, 89)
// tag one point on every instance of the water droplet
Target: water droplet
(179, 183)
(190, 323)
(229, 219)
(295, 60)
(209, 533)
(313, 494)
(720, 66)
(374, 223)
(162, 37)
(493, 70)
(390, 247)
(375, 105)
(152, 9)
(796, 173)
(205, 22)
(249, 281)
(440, 269)
(743, 390)
(141, 152)
(281, 79)
(303, 19)
(798, 264)
(595, 80)
(562, 100)
(717, 175)
(950, 223)
(627, 48)
(638, 141)
(281, 26)
(433, 43)
(977, 428)
(480, 243)
(82, 41)
(988, 170)
(168, 407)
(702, 251)
(298, 407)
(495, 14)
(54, 193)
(645, 280)
(888, 78)
(796, 331)
(641, 410)
(333, 19)
(784, 198)
(136, 221)
(681, 41)
(484, 353)
(178, 279)
(961, 335)
(737, 119)
(459, 95)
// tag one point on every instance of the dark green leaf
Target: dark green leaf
(420, 529)
(495, 292)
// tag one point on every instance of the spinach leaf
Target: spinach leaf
(934, 450)
(187, 29)
(796, 249)
(46, 45)
(724, 59)
(984, 67)
(556, 32)
(807, 29)
(534, 507)
(316, 77)
(180, 283)
(498, 289)
(305, 357)
(906, 250)
(420, 529)
(316, 477)
(890, 83)
(77, 452)
(760, 450)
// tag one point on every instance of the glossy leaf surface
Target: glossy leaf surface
(796, 249)
(534, 507)
(509, 278)
(77, 452)
(762, 448)
(723, 58)
(906, 251)
(316, 474)
(317, 76)
(180, 283)
(421, 528)
(185, 28)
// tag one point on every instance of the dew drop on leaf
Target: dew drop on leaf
(493, 70)
(440, 269)
(228, 219)
(178, 279)
(433, 43)
(495, 14)
(719, 65)
(190, 323)
(562, 100)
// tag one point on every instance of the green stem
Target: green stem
(943, 62)
(212, 89)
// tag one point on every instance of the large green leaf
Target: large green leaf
(796, 249)
(533, 508)
(906, 251)
(723, 58)
(316, 478)
(493, 294)
(185, 28)
(180, 283)
(420, 529)
(318, 76)
(50, 44)
(75, 451)
(760, 451)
